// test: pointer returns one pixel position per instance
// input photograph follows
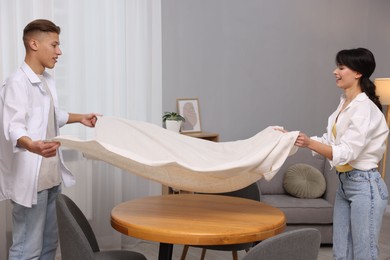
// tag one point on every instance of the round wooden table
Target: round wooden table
(196, 219)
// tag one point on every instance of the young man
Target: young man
(31, 167)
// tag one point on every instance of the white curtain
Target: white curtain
(111, 64)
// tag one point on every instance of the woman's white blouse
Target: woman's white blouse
(361, 133)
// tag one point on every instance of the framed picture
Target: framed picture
(189, 109)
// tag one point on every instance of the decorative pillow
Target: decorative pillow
(304, 181)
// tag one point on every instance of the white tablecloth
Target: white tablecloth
(184, 162)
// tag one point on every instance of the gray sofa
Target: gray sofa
(316, 213)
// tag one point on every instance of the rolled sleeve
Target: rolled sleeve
(14, 137)
(62, 117)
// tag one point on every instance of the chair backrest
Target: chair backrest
(250, 192)
(77, 240)
(292, 245)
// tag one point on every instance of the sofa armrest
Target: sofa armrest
(332, 183)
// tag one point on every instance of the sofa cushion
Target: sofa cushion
(301, 211)
(304, 181)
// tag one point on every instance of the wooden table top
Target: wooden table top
(197, 219)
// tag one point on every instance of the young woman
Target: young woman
(354, 144)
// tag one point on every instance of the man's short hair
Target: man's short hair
(39, 25)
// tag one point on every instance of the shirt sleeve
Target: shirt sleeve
(62, 117)
(15, 113)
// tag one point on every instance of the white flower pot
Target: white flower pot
(173, 125)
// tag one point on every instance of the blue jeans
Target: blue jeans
(35, 231)
(360, 203)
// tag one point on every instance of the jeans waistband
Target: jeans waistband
(357, 170)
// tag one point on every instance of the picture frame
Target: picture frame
(189, 109)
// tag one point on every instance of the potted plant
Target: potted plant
(173, 121)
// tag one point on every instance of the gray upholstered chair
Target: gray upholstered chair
(296, 244)
(251, 192)
(77, 240)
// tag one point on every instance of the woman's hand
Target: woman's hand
(302, 140)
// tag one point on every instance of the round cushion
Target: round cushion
(304, 181)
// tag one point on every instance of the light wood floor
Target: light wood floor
(150, 249)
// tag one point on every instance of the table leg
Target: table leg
(165, 251)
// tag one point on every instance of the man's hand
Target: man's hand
(85, 119)
(43, 148)
(89, 120)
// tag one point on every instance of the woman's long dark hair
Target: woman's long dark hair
(361, 60)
